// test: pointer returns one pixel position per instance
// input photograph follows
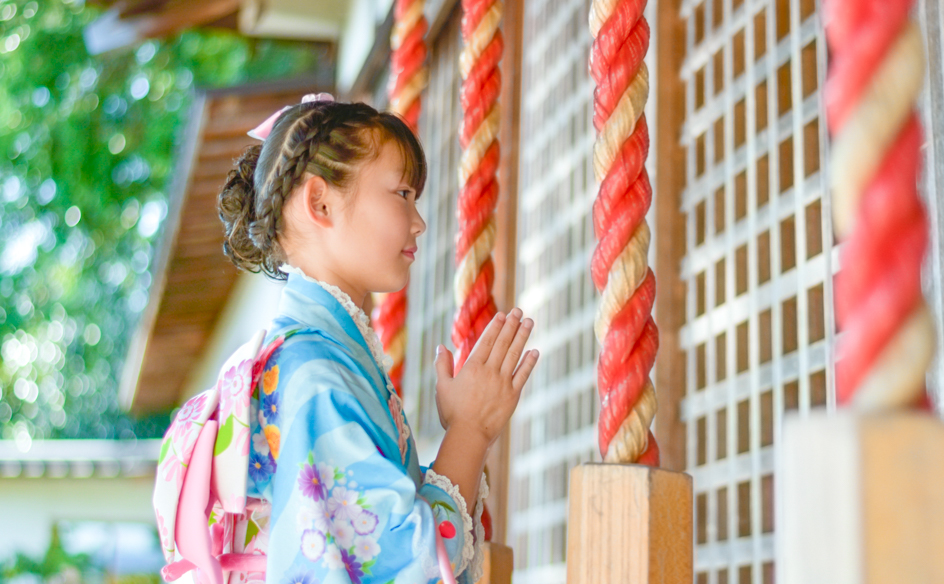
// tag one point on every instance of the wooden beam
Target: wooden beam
(208, 227)
(139, 340)
(176, 15)
(270, 95)
(231, 147)
(115, 29)
(669, 232)
(211, 169)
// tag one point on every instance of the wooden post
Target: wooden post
(497, 564)
(861, 499)
(629, 524)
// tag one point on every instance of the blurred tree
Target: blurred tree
(56, 567)
(87, 146)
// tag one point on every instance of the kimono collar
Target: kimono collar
(318, 291)
(360, 318)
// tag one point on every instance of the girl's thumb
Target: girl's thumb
(444, 363)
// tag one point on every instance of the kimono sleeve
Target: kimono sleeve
(452, 515)
(344, 507)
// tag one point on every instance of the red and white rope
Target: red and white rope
(619, 267)
(478, 167)
(875, 79)
(409, 75)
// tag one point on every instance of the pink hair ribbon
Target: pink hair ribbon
(261, 132)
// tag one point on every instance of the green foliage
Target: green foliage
(87, 148)
(57, 564)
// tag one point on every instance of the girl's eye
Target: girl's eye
(405, 193)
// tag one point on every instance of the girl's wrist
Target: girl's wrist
(470, 435)
(461, 459)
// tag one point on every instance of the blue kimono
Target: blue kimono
(333, 454)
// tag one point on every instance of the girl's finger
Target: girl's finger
(513, 355)
(444, 363)
(524, 369)
(505, 339)
(483, 347)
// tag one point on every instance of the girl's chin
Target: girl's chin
(392, 285)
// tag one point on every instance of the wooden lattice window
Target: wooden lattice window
(759, 330)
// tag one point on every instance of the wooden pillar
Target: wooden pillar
(506, 239)
(669, 239)
(629, 524)
(861, 499)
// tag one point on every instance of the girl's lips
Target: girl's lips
(410, 254)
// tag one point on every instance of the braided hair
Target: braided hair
(327, 139)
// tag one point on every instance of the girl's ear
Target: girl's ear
(315, 201)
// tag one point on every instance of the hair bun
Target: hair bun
(237, 209)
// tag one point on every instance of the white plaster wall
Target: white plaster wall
(357, 37)
(31, 506)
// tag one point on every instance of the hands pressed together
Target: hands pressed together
(483, 396)
(475, 405)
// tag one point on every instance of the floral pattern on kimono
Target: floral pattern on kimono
(331, 451)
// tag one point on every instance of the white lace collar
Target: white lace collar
(359, 317)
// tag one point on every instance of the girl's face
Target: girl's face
(373, 240)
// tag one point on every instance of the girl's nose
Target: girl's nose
(419, 226)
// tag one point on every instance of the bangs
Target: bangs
(411, 152)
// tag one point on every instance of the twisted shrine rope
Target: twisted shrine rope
(409, 75)
(478, 185)
(876, 75)
(619, 267)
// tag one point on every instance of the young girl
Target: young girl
(329, 199)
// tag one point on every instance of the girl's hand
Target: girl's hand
(482, 397)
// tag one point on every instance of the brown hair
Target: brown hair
(327, 139)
